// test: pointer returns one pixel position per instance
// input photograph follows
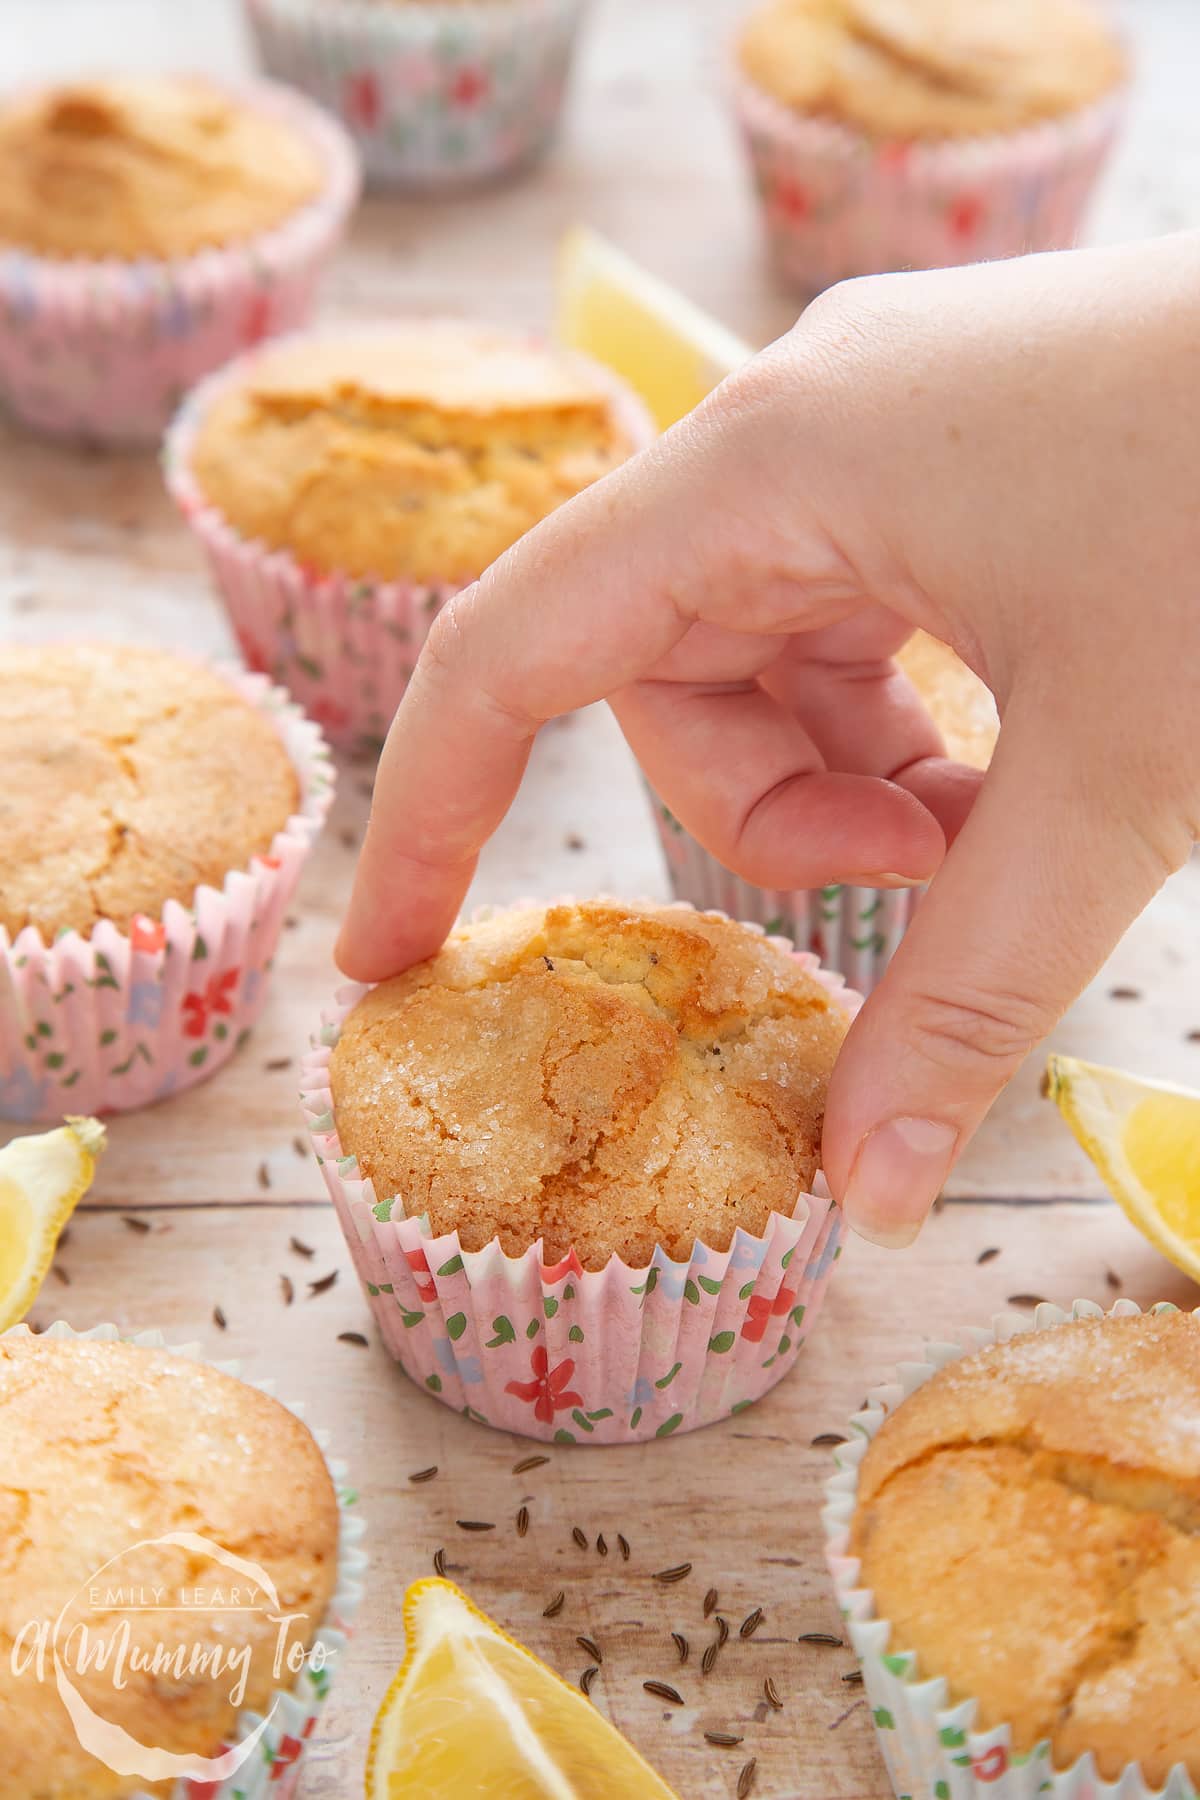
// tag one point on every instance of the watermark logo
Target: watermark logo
(219, 1622)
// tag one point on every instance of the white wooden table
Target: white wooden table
(90, 543)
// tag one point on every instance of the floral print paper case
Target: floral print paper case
(433, 95)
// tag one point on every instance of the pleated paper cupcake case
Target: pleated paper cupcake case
(566, 1355)
(105, 350)
(275, 1766)
(835, 204)
(117, 1019)
(434, 95)
(931, 1748)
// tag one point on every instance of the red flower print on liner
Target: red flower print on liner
(289, 1752)
(894, 156)
(548, 1391)
(991, 1765)
(469, 87)
(761, 1309)
(330, 713)
(418, 1262)
(147, 934)
(793, 199)
(570, 1265)
(208, 1790)
(257, 323)
(363, 100)
(216, 998)
(966, 216)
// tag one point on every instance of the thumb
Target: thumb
(1052, 866)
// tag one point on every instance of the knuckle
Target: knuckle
(986, 1032)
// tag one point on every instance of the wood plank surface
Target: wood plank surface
(90, 544)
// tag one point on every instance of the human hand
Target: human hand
(1005, 456)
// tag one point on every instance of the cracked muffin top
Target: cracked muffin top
(413, 452)
(131, 777)
(145, 166)
(912, 69)
(104, 1446)
(1029, 1521)
(603, 1077)
(961, 705)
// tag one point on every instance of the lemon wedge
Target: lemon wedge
(471, 1712)
(1144, 1137)
(42, 1180)
(669, 351)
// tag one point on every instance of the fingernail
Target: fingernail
(885, 878)
(897, 1175)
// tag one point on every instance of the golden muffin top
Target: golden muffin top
(145, 166)
(107, 1446)
(603, 1077)
(1029, 1521)
(911, 69)
(961, 705)
(131, 777)
(418, 452)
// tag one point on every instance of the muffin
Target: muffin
(1026, 1523)
(852, 929)
(593, 1129)
(150, 1485)
(891, 134)
(435, 93)
(152, 828)
(151, 227)
(344, 485)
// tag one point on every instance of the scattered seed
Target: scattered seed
(678, 1573)
(751, 1623)
(662, 1690)
(439, 1563)
(291, 923)
(1124, 993)
(988, 1255)
(475, 1524)
(60, 1274)
(1113, 1279)
(219, 1319)
(529, 1462)
(854, 1678)
(709, 1658)
(548, 964)
(590, 1647)
(842, 1717)
(1026, 1300)
(710, 1601)
(277, 1063)
(300, 1248)
(722, 1631)
(771, 1694)
(574, 841)
(323, 1286)
(580, 1537)
(1193, 1037)
(347, 840)
(141, 1226)
(601, 1546)
(352, 1337)
(746, 1778)
(523, 1521)
(301, 1149)
(555, 1607)
(623, 1545)
(1044, 1085)
(821, 1637)
(827, 1440)
(586, 1680)
(681, 1644)
(264, 1175)
(724, 1740)
(421, 1475)
(289, 1289)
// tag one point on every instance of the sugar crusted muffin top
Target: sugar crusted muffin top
(603, 1077)
(1029, 1521)
(145, 167)
(105, 1445)
(416, 451)
(913, 69)
(961, 705)
(131, 777)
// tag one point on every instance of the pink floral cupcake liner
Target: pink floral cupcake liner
(104, 351)
(274, 1767)
(343, 646)
(930, 1746)
(567, 1355)
(434, 95)
(836, 204)
(854, 930)
(117, 1019)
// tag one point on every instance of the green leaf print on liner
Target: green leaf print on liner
(576, 1334)
(44, 1029)
(411, 1319)
(565, 1437)
(691, 1292)
(504, 1330)
(899, 1664)
(787, 1256)
(669, 1425)
(797, 1316)
(549, 1305)
(942, 1791)
(664, 1381)
(635, 1419)
(456, 1324)
(569, 1291)
(952, 1736)
(723, 1341)
(739, 1406)
(648, 1286)
(383, 1209)
(55, 1060)
(453, 1267)
(195, 1059)
(199, 950)
(582, 1420)
(744, 1293)
(883, 1719)
(533, 1327)
(785, 1344)
(107, 1037)
(605, 1412)
(434, 1383)
(709, 1285)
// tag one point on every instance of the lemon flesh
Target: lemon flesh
(473, 1714)
(42, 1180)
(669, 351)
(1144, 1137)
